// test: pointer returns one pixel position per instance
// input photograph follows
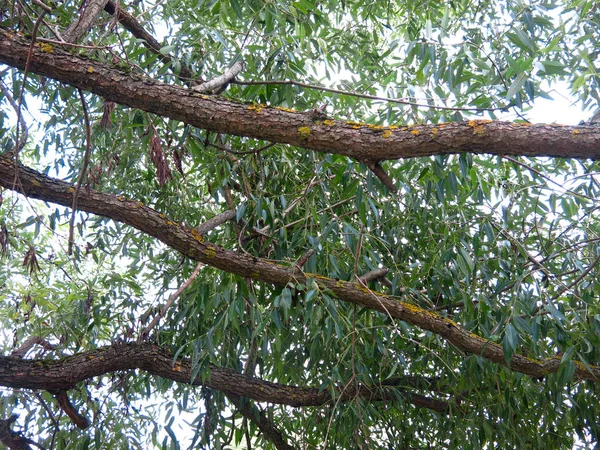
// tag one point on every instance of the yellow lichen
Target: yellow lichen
(387, 134)
(281, 108)
(46, 48)
(474, 123)
(355, 125)
(575, 132)
(36, 183)
(210, 252)
(329, 122)
(90, 69)
(257, 107)
(434, 131)
(304, 132)
(415, 132)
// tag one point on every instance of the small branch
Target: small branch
(260, 419)
(29, 343)
(90, 10)
(43, 6)
(546, 177)
(376, 274)
(576, 281)
(367, 96)
(135, 28)
(65, 404)
(376, 168)
(238, 152)
(20, 143)
(303, 259)
(170, 302)
(214, 222)
(218, 84)
(71, 44)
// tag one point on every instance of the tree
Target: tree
(300, 222)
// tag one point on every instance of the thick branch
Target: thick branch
(190, 243)
(359, 141)
(63, 374)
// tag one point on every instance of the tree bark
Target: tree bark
(363, 142)
(190, 243)
(63, 374)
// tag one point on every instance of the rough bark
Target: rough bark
(363, 142)
(63, 374)
(89, 12)
(11, 439)
(190, 243)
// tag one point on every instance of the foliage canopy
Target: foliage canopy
(448, 300)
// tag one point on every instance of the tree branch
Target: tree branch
(170, 302)
(89, 12)
(362, 142)
(63, 374)
(219, 83)
(135, 28)
(215, 221)
(36, 185)
(11, 439)
(267, 428)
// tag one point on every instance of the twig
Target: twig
(170, 302)
(240, 152)
(577, 280)
(86, 159)
(25, 133)
(71, 44)
(34, 32)
(367, 96)
(546, 177)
